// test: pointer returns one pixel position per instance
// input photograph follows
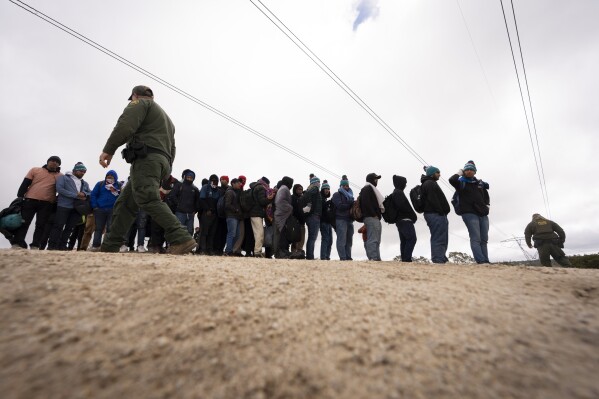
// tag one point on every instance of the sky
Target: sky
(445, 83)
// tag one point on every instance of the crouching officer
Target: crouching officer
(150, 137)
(548, 238)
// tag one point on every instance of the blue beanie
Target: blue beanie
(344, 181)
(431, 170)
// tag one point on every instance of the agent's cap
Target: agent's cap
(144, 91)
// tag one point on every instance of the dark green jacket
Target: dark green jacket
(147, 121)
(541, 229)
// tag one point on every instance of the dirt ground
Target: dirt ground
(79, 325)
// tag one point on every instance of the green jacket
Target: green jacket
(543, 229)
(145, 120)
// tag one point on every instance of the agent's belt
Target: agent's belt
(157, 151)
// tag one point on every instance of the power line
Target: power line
(543, 189)
(168, 85)
(532, 115)
(325, 68)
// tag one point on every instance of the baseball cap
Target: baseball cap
(141, 91)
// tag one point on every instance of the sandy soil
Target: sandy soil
(83, 325)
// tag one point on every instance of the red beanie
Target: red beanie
(225, 178)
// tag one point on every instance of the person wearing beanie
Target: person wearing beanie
(209, 195)
(220, 238)
(343, 200)
(38, 192)
(548, 238)
(233, 215)
(406, 218)
(283, 210)
(184, 200)
(312, 200)
(237, 247)
(436, 209)
(103, 199)
(297, 248)
(472, 201)
(263, 196)
(150, 137)
(371, 204)
(326, 228)
(71, 189)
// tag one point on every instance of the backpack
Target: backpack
(246, 200)
(391, 212)
(329, 212)
(220, 207)
(356, 211)
(293, 231)
(417, 199)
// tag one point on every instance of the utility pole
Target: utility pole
(518, 241)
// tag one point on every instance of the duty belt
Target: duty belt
(157, 151)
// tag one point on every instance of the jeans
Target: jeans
(407, 238)
(141, 222)
(373, 238)
(439, 228)
(65, 221)
(326, 241)
(345, 238)
(232, 234)
(186, 220)
(103, 217)
(478, 230)
(313, 223)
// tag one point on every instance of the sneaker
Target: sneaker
(34, 248)
(183, 248)
(123, 248)
(259, 255)
(93, 249)
(141, 249)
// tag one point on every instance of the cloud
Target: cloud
(366, 9)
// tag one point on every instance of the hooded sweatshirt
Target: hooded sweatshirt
(434, 199)
(400, 200)
(102, 197)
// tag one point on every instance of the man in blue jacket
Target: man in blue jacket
(71, 188)
(103, 198)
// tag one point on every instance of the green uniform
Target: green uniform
(151, 125)
(548, 239)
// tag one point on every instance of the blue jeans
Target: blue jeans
(103, 218)
(313, 224)
(232, 234)
(439, 227)
(407, 239)
(326, 242)
(142, 222)
(373, 238)
(478, 230)
(345, 238)
(186, 220)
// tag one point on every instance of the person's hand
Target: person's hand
(81, 195)
(529, 246)
(460, 172)
(105, 159)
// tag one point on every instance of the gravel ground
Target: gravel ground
(79, 325)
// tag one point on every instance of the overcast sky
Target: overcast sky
(411, 61)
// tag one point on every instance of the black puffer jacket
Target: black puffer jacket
(260, 200)
(474, 197)
(184, 197)
(232, 207)
(400, 200)
(434, 199)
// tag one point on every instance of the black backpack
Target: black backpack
(455, 200)
(246, 200)
(391, 212)
(417, 199)
(293, 231)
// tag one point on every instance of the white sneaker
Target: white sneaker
(123, 248)
(141, 249)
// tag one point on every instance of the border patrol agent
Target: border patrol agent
(548, 238)
(150, 137)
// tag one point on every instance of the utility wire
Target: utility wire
(532, 115)
(325, 68)
(543, 190)
(170, 86)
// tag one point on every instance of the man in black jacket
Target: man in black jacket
(436, 209)
(209, 196)
(371, 204)
(262, 195)
(233, 214)
(185, 199)
(406, 217)
(473, 199)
